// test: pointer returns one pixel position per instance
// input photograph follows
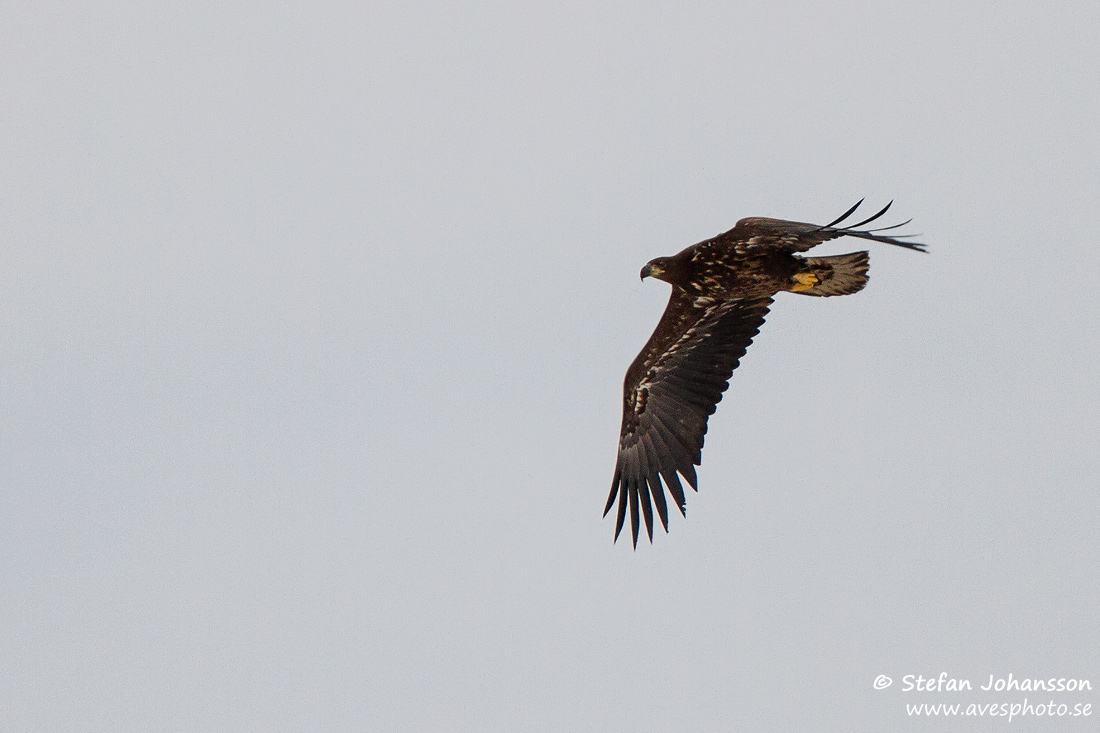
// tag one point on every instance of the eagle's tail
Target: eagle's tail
(837, 275)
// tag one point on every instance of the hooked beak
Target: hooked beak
(651, 270)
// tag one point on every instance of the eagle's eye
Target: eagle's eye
(655, 268)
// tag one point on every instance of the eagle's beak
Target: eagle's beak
(651, 269)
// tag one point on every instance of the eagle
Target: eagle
(722, 289)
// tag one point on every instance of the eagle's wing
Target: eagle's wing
(796, 236)
(670, 390)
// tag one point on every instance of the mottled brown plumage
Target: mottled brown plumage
(721, 291)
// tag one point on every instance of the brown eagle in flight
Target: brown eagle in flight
(721, 291)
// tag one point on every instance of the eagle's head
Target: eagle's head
(657, 268)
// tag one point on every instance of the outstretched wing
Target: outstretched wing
(670, 390)
(796, 236)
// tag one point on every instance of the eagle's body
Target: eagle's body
(721, 291)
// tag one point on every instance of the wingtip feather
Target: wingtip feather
(870, 219)
(843, 216)
(620, 517)
(632, 492)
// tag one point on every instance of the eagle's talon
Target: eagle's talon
(805, 281)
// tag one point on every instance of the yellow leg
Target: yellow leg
(805, 281)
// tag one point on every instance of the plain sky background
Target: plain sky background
(314, 322)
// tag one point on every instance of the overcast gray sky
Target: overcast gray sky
(314, 325)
